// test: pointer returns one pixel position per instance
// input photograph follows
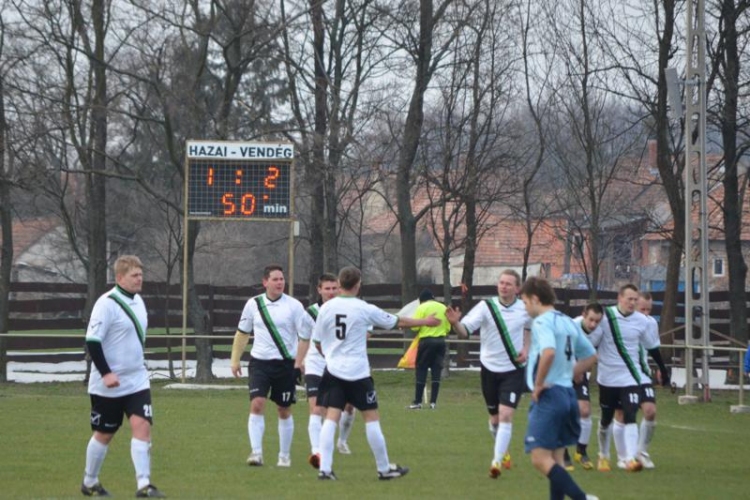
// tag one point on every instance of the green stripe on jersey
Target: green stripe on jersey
(502, 328)
(271, 326)
(617, 337)
(313, 311)
(125, 307)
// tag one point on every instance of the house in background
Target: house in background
(42, 253)
(655, 246)
(633, 237)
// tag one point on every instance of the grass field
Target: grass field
(200, 446)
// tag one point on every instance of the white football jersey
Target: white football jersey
(276, 325)
(618, 340)
(111, 326)
(655, 341)
(315, 363)
(498, 351)
(341, 330)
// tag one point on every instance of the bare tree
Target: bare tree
(426, 58)
(733, 38)
(531, 203)
(333, 77)
(188, 82)
(640, 43)
(71, 38)
(6, 217)
(593, 140)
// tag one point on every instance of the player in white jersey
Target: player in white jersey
(588, 321)
(277, 320)
(648, 397)
(119, 383)
(340, 333)
(313, 367)
(618, 340)
(504, 325)
(560, 353)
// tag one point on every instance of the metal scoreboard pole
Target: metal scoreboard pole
(696, 231)
(236, 181)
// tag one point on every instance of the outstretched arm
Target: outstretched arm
(454, 318)
(406, 322)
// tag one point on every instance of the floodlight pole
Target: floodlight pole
(696, 196)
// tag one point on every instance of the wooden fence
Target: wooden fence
(56, 306)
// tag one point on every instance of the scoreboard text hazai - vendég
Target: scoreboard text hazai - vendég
(249, 151)
(239, 180)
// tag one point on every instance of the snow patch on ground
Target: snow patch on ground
(71, 371)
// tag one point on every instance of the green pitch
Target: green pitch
(200, 445)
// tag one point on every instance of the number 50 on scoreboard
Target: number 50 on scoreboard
(238, 180)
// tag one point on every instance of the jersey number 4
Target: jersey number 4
(340, 326)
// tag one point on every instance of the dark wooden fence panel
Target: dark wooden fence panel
(59, 306)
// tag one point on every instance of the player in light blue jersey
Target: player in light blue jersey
(559, 353)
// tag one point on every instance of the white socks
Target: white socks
(618, 432)
(286, 432)
(95, 453)
(327, 435)
(631, 440)
(140, 452)
(502, 440)
(313, 430)
(256, 426)
(647, 433)
(377, 444)
(585, 431)
(347, 420)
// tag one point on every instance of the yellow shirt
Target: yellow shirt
(426, 309)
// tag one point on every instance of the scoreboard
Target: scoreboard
(239, 180)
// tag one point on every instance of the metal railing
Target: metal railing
(388, 337)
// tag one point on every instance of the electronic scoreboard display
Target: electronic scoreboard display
(239, 180)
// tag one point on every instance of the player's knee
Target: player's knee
(103, 438)
(606, 419)
(370, 416)
(257, 405)
(505, 415)
(649, 411)
(585, 411)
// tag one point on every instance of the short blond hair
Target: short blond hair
(125, 263)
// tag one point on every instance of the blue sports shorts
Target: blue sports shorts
(553, 420)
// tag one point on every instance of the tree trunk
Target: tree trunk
(95, 183)
(6, 250)
(197, 314)
(316, 173)
(467, 274)
(671, 176)
(732, 201)
(412, 133)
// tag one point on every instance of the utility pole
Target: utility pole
(696, 211)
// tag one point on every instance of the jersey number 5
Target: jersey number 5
(340, 326)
